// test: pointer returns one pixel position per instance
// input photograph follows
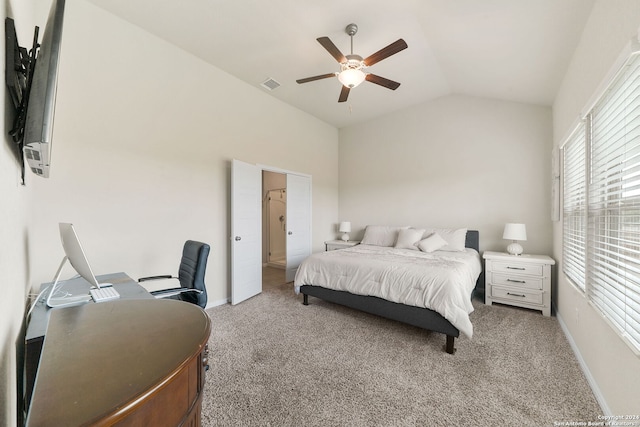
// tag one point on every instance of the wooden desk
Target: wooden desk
(122, 362)
(126, 287)
(39, 320)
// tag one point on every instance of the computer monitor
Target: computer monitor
(75, 254)
(78, 260)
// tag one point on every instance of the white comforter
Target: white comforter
(440, 281)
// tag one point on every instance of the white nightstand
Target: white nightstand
(523, 280)
(332, 245)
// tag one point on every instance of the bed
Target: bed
(338, 277)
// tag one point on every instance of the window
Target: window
(613, 254)
(575, 207)
(601, 204)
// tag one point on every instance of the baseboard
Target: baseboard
(276, 265)
(583, 365)
(211, 304)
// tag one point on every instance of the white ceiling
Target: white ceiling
(515, 50)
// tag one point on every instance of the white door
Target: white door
(298, 222)
(246, 231)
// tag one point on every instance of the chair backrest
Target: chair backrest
(192, 270)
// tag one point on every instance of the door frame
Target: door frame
(261, 169)
(310, 177)
(283, 171)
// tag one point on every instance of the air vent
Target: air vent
(270, 84)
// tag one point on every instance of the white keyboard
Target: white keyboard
(104, 294)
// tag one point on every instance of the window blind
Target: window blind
(574, 207)
(613, 236)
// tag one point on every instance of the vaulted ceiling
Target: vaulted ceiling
(516, 50)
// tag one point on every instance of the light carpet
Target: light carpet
(276, 362)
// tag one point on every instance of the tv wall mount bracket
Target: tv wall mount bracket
(20, 64)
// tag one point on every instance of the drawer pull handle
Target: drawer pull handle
(516, 268)
(516, 281)
(516, 295)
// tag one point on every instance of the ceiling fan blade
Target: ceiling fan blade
(390, 84)
(385, 52)
(332, 49)
(314, 78)
(344, 94)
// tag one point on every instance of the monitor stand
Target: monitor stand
(67, 300)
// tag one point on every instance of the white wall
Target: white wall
(143, 141)
(14, 212)
(458, 161)
(614, 369)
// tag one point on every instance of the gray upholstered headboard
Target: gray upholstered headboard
(473, 240)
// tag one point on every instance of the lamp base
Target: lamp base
(514, 249)
(345, 237)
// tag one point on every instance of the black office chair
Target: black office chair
(190, 275)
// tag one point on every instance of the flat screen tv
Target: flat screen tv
(32, 78)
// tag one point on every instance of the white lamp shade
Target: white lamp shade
(515, 232)
(345, 229)
(351, 77)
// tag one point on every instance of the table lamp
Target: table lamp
(515, 232)
(345, 228)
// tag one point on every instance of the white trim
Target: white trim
(630, 49)
(283, 171)
(217, 303)
(583, 365)
(572, 129)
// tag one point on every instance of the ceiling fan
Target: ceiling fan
(352, 66)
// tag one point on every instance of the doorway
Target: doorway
(248, 254)
(274, 220)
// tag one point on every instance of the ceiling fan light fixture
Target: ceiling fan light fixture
(351, 74)
(351, 77)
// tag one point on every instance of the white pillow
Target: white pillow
(380, 235)
(408, 238)
(455, 238)
(432, 243)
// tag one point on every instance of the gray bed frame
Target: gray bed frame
(421, 317)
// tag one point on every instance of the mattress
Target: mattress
(440, 281)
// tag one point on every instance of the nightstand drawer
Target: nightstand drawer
(333, 245)
(514, 267)
(518, 281)
(530, 297)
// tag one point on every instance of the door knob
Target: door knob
(290, 233)
(238, 238)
